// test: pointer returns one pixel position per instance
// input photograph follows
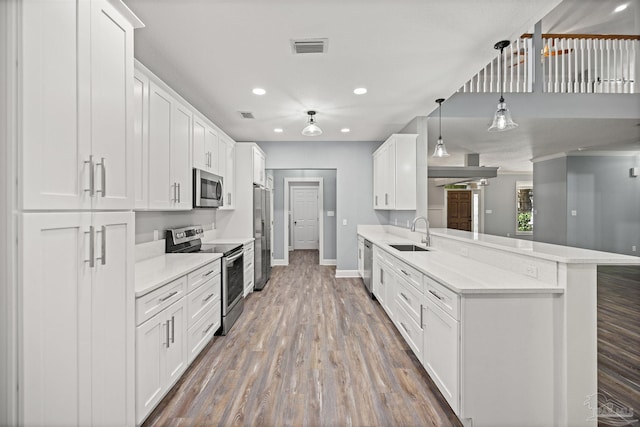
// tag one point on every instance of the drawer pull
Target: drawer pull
(207, 298)
(173, 329)
(421, 309)
(435, 295)
(167, 343)
(207, 330)
(405, 273)
(405, 328)
(168, 296)
(404, 296)
(208, 273)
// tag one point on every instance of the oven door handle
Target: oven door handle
(233, 258)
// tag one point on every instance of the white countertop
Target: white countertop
(460, 274)
(154, 272)
(558, 253)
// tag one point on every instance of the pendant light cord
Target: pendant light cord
(501, 76)
(440, 120)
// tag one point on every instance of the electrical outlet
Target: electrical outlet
(408, 224)
(464, 251)
(531, 271)
(155, 235)
(344, 221)
(213, 225)
(633, 248)
(395, 221)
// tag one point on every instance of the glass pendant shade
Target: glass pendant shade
(441, 150)
(312, 129)
(502, 119)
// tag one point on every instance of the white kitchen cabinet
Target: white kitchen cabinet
(249, 268)
(77, 318)
(77, 74)
(227, 170)
(205, 146)
(384, 278)
(161, 356)
(169, 152)
(441, 350)
(259, 177)
(141, 139)
(394, 173)
(361, 256)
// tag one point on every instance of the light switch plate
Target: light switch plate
(574, 212)
(331, 213)
(155, 235)
(344, 221)
(488, 211)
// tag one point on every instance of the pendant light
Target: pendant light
(440, 150)
(312, 128)
(502, 119)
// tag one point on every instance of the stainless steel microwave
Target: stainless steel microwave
(207, 189)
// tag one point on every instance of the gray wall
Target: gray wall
(329, 204)
(147, 222)
(550, 201)
(353, 163)
(500, 198)
(607, 203)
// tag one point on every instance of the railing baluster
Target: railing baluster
(562, 62)
(575, 66)
(510, 67)
(587, 74)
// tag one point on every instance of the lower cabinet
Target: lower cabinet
(249, 256)
(383, 277)
(361, 256)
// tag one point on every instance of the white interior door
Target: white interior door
(305, 217)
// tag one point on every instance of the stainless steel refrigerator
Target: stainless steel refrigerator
(262, 235)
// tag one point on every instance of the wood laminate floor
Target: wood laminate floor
(309, 350)
(619, 335)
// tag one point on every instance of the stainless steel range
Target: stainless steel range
(189, 240)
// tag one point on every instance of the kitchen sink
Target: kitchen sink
(409, 248)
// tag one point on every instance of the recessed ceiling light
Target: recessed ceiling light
(620, 8)
(360, 90)
(259, 91)
(345, 130)
(278, 130)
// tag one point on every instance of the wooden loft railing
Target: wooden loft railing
(571, 63)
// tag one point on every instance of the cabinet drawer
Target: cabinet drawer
(199, 335)
(409, 298)
(248, 260)
(154, 302)
(198, 277)
(412, 275)
(202, 299)
(409, 329)
(443, 297)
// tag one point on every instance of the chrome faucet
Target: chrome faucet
(427, 238)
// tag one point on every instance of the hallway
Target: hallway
(309, 350)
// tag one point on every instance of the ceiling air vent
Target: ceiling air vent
(246, 115)
(309, 46)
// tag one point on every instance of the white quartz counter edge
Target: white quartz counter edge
(228, 241)
(158, 271)
(557, 253)
(461, 275)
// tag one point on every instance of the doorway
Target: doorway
(306, 209)
(305, 216)
(459, 204)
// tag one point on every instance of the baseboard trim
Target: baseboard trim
(343, 274)
(329, 262)
(279, 262)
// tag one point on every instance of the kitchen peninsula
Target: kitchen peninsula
(506, 328)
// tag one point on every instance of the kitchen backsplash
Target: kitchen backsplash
(148, 222)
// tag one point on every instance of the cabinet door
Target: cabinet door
(405, 172)
(176, 352)
(181, 175)
(151, 341)
(222, 162)
(441, 350)
(258, 167)
(200, 152)
(361, 257)
(378, 178)
(211, 138)
(161, 188)
(54, 175)
(141, 139)
(55, 388)
(112, 106)
(229, 178)
(112, 320)
(390, 176)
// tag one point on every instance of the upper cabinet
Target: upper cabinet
(259, 176)
(227, 151)
(394, 173)
(77, 130)
(205, 146)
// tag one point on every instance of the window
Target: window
(524, 207)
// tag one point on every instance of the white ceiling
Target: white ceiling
(406, 52)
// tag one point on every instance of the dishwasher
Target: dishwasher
(368, 267)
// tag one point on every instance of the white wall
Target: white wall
(550, 201)
(353, 163)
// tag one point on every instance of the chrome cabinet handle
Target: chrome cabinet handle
(435, 295)
(229, 197)
(404, 296)
(103, 245)
(376, 201)
(208, 298)
(173, 325)
(168, 296)
(405, 328)
(92, 250)
(207, 330)
(208, 273)
(179, 193)
(386, 198)
(421, 309)
(103, 191)
(405, 273)
(92, 183)
(381, 276)
(167, 342)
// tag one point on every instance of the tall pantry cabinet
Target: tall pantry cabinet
(76, 292)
